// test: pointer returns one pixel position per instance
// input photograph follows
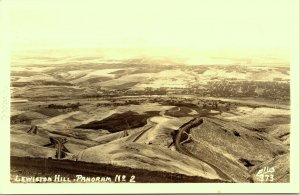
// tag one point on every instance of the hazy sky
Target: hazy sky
(138, 23)
(193, 24)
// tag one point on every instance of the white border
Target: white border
(7, 187)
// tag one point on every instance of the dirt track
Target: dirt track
(40, 167)
(141, 133)
(185, 129)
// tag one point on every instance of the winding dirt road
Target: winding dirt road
(141, 133)
(185, 129)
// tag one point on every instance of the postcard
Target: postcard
(150, 96)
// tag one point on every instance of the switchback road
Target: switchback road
(185, 129)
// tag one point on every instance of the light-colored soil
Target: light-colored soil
(228, 140)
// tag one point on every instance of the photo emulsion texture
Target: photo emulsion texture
(81, 117)
(148, 92)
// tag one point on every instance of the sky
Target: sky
(199, 25)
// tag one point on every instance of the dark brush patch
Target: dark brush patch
(236, 133)
(283, 135)
(246, 162)
(120, 121)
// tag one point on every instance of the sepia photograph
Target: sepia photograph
(153, 92)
